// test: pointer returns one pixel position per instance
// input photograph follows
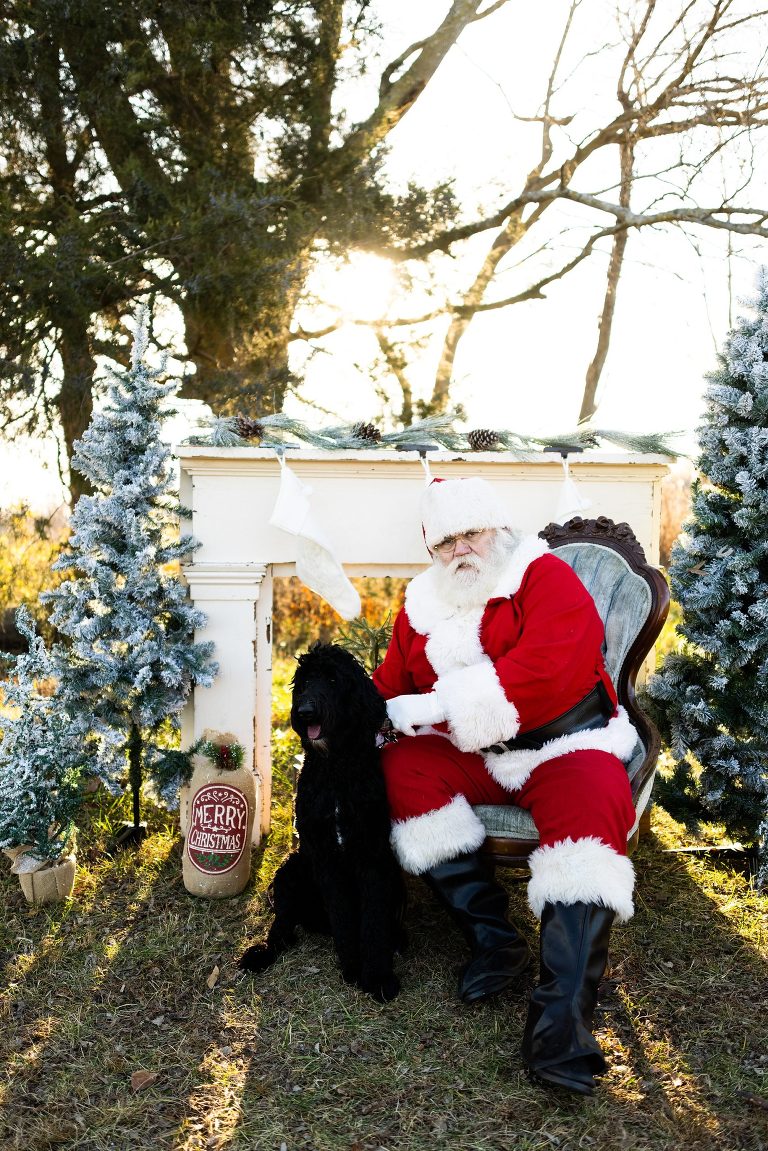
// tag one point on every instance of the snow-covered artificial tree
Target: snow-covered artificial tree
(42, 753)
(712, 694)
(128, 659)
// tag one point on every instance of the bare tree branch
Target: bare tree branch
(397, 95)
(396, 363)
(594, 371)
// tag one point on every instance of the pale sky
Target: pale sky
(521, 368)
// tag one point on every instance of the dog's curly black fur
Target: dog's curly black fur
(343, 877)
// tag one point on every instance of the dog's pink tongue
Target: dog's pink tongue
(313, 731)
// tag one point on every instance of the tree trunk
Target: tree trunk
(502, 244)
(595, 369)
(75, 402)
(235, 372)
(135, 774)
(241, 368)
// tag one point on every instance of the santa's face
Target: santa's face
(465, 553)
(468, 569)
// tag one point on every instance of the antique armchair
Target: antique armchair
(632, 598)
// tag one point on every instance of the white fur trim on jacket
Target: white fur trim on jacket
(581, 871)
(426, 840)
(512, 768)
(529, 549)
(476, 707)
(455, 642)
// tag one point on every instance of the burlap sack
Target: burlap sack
(217, 812)
(50, 883)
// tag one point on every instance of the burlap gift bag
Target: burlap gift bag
(218, 809)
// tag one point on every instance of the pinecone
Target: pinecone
(482, 439)
(366, 432)
(248, 429)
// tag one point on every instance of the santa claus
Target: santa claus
(495, 681)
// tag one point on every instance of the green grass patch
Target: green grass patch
(123, 979)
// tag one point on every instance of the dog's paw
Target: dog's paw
(382, 988)
(350, 972)
(257, 958)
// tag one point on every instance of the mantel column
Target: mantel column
(237, 599)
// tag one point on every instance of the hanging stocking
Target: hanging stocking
(570, 502)
(316, 565)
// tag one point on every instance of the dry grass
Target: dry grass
(116, 982)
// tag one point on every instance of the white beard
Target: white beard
(469, 581)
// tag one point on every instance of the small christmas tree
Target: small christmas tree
(42, 752)
(129, 661)
(366, 641)
(712, 695)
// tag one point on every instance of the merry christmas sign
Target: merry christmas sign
(218, 828)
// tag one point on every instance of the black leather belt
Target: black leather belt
(593, 711)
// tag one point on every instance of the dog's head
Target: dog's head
(334, 699)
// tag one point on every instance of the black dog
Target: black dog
(343, 877)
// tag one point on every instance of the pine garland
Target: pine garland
(174, 768)
(226, 756)
(436, 432)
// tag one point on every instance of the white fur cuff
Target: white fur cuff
(476, 707)
(512, 768)
(581, 871)
(426, 840)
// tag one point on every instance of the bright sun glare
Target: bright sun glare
(361, 288)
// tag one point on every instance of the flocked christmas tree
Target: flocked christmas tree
(712, 694)
(42, 753)
(129, 660)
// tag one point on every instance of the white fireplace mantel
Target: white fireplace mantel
(367, 503)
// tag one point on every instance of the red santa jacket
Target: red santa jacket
(532, 652)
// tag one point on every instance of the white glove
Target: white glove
(407, 712)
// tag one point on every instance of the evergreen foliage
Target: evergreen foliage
(42, 753)
(367, 641)
(128, 660)
(712, 694)
(191, 149)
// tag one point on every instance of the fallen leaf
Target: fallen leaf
(142, 1079)
(213, 978)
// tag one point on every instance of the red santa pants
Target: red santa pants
(585, 793)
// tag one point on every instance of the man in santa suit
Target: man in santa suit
(495, 681)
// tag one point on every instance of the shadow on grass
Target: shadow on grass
(112, 983)
(682, 1019)
(687, 1003)
(121, 980)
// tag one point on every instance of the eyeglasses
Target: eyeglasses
(447, 546)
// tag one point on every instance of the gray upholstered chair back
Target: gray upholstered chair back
(622, 597)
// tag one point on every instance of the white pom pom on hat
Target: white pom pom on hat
(450, 507)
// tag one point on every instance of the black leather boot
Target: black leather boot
(558, 1045)
(479, 905)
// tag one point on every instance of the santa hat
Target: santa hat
(450, 507)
